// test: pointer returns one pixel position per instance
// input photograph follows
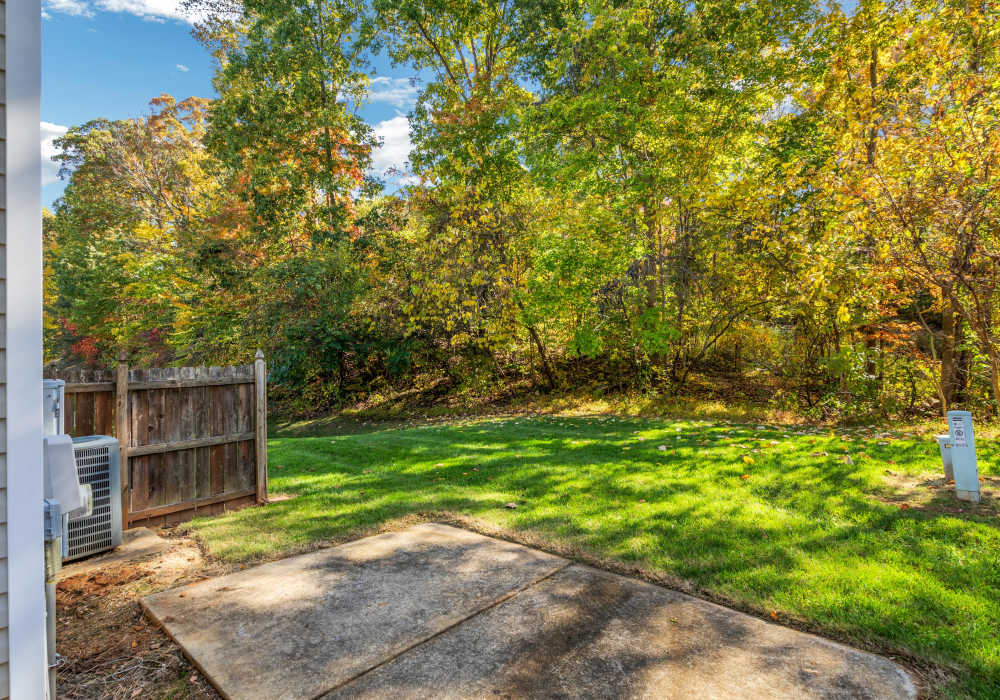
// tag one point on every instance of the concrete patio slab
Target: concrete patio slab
(298, 627)
(584, 633)
(435, 611)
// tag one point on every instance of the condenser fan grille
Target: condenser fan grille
(97, 466)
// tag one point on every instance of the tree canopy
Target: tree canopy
(775, 194)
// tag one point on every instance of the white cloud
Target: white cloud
(147, 9)
(154, 10)
(395, 149)
(399, 92)
(78, 8)
(50, 168)
(182, 68)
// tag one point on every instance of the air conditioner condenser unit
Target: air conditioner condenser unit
(97, 464)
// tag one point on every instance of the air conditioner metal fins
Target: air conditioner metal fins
(97, 463)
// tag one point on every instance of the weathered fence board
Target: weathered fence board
(193, 439)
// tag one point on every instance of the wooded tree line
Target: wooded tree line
(603, 194)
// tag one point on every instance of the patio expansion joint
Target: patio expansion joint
(420, 642)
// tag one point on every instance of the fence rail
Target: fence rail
(193, 439)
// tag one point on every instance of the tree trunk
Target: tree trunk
(550, 376)
(651, 268)
(682, 262)
(871, 368)
(995, 379)
(982, 327)
(948, 353)
(932, 343)
(963, 368)
(676, 369)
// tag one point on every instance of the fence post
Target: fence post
(260, 423)
(122, 430)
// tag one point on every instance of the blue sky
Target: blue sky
(108, 58)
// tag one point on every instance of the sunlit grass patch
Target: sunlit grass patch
(802, 522)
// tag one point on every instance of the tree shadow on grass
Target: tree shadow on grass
(805, 531)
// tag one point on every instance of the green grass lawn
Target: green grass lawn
(835, 531)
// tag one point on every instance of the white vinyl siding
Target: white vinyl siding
(22, 580)
(22, 608)
(4, 613)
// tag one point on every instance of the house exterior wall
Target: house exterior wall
(22, 609)
(4, 632)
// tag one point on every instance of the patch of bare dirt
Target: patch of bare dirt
(932, 494)
(107, 646)
(279, 497)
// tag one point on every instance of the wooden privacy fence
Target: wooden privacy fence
(193, 439)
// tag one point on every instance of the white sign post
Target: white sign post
(963, 456)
